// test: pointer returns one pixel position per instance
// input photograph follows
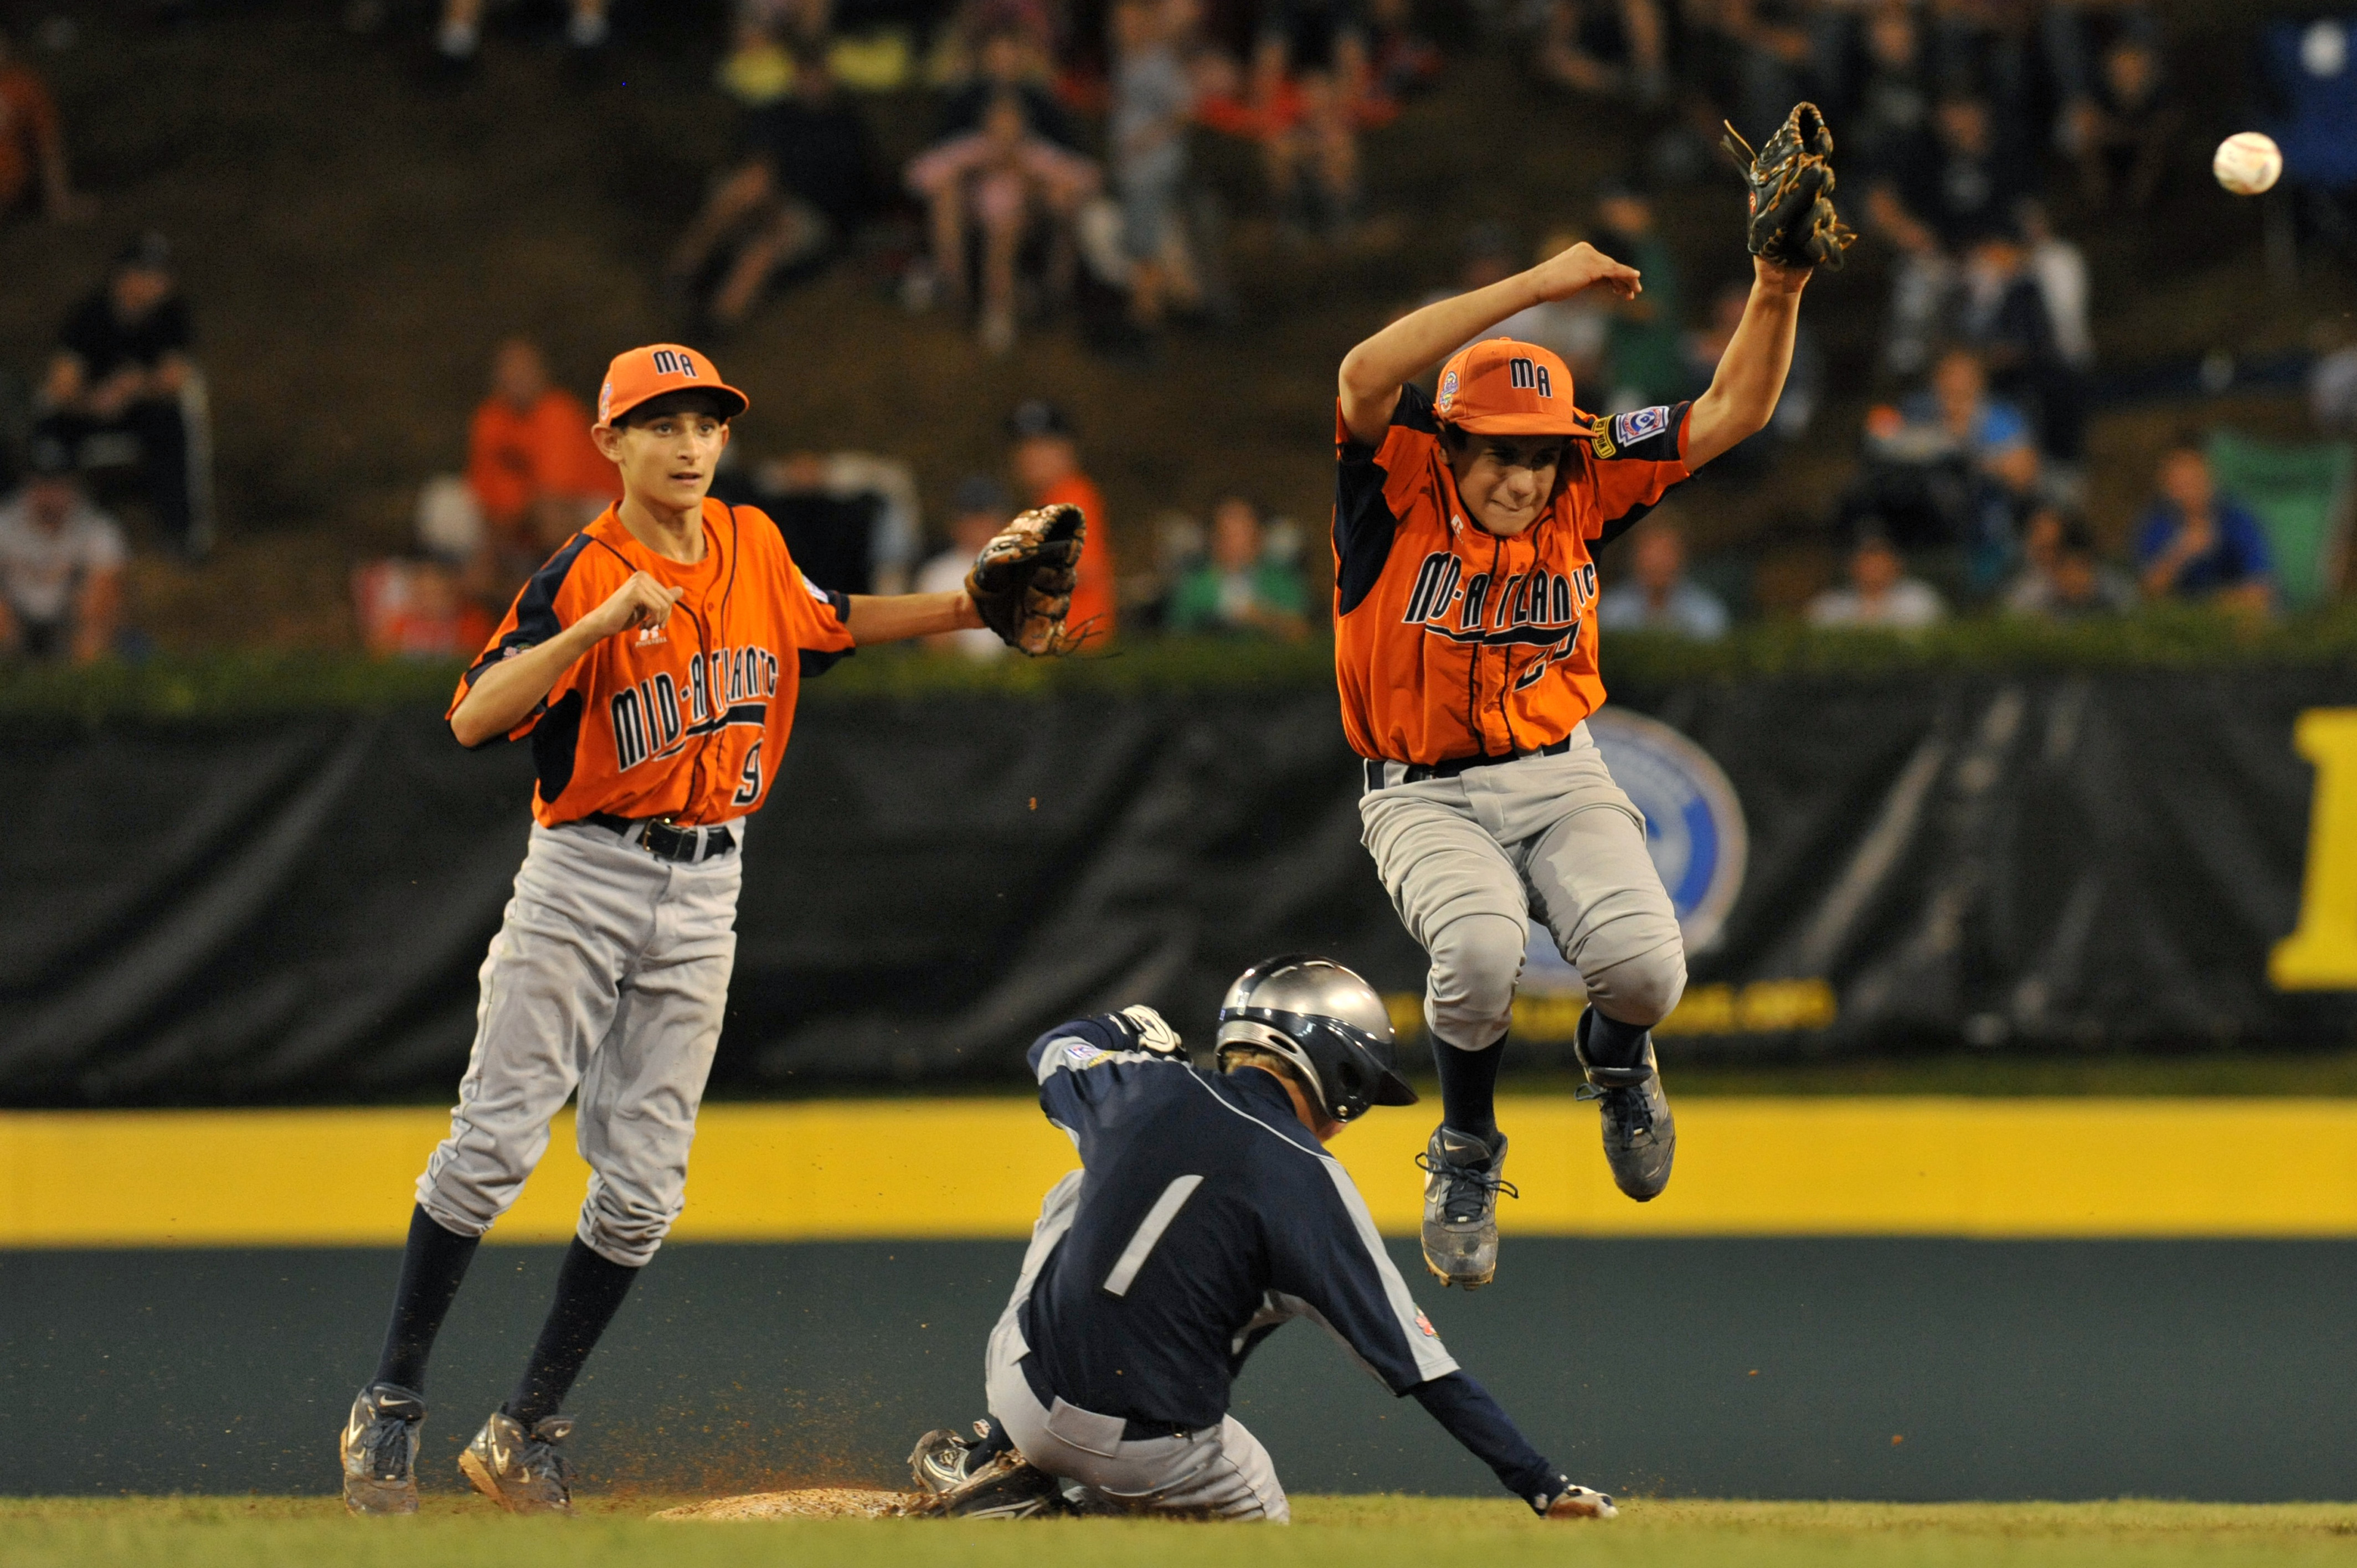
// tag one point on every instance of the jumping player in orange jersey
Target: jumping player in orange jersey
(1464, 530)
(653, 664)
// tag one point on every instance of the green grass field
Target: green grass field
(1359, 1531)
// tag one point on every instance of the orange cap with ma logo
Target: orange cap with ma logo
(1503, 387)
(639, 374)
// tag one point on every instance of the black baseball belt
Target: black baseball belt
(1417, 772)
(667, 840)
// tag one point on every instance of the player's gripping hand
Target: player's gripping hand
(1151, 1031)
(1582, 267)
(641, 601)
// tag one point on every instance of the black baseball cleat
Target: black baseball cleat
(978, 1479)
(1641, 1137)
(522, 1471)
(1463, 1176)
(380, 1450)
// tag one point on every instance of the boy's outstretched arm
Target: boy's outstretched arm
(1374, 372)
(1750, 375)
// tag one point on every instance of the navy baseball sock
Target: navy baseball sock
(589, 1290)
(1468, 1087)
(432, 1265)
(1611, 1043)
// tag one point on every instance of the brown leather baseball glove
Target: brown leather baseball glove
(1022, 581)
(1792, 221)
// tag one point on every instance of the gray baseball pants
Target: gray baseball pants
(1222, 1472)
(1470, 861)
(609, 973)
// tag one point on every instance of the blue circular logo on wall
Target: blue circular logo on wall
(1694, 829)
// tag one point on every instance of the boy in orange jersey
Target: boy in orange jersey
(1466, 525)
(653, 663)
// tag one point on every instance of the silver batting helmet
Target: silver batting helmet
(1325, 1021)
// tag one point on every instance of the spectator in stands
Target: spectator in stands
(2121, 131)
(1309, 148)
(1153, 99)
(2004, 317)
(1930, 204)
(33, 167)
(851, 519)
(1754, 55)
(1012, 185)
(1887, 127)
(1301, 39)
(2197, 545)
(1659, 596)
(1402, 61)
(979, 508)
(531, 468)
(1008, 58)
(1240, 589)
(461, 32)
(122, 389)
(1645, 349)
(2063, 577)
(804, 181)
(2333, 379)
(2060, 269)
(1606, 49)
(1047, 463)
(1880, 595)
(61, 565)
(1951, 468)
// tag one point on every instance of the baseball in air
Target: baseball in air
(2248, 162)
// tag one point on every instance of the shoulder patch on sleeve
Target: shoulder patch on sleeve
(1601, 435)
(1638, 423)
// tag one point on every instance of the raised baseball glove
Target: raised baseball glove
(1792, 221)
(1022, 581)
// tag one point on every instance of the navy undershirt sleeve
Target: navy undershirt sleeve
(1475, 1420)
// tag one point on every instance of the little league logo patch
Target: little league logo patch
(1693, 831)
(1639, 423)
(1084, 1053)
(1448, 393)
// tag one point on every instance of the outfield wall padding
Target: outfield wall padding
(295, 908)
(1783, 1367)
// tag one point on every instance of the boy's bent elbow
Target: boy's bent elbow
(1361, 381)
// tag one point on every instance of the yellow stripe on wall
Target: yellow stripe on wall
(915, 1168)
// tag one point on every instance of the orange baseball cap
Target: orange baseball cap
(1502, 387)
(639, 374)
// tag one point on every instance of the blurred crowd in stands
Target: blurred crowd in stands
(1060, 183)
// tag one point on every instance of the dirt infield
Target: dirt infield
(813, 1502)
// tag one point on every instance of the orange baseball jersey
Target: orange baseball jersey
(686, 721)
(1450, 641)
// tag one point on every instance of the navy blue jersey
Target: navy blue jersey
(1208, 1216)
